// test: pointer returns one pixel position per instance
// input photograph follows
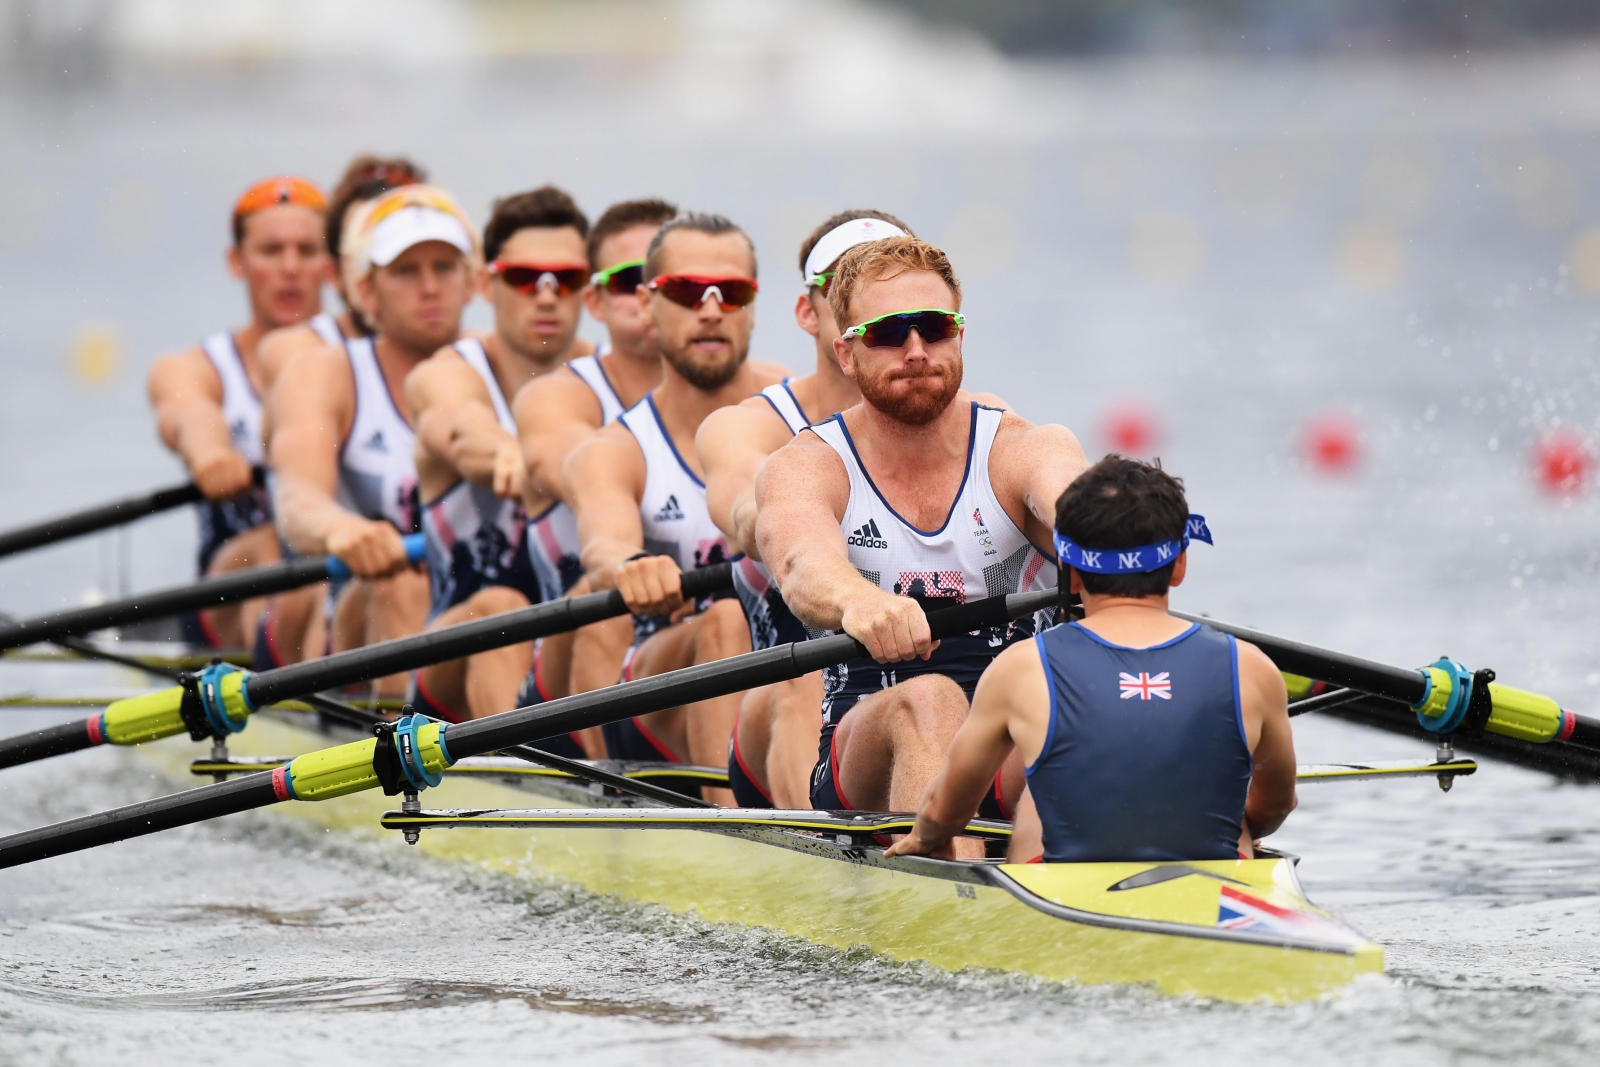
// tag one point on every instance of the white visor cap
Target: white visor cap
(412, 225)
(843, 237)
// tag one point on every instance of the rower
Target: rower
(637, 488)
(775, 740)
(556, 413)
(291, 627)
(341, 448)
(470, 469)
(207, 399)
(1147, 738)
(917, 494)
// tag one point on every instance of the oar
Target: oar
(206, 593)
(64, 527)
(1444, 698)
(219, 700)
(415, 754)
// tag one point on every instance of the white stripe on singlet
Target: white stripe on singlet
(241, 407)
(327, 328)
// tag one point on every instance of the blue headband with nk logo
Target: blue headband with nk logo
(1130, 560)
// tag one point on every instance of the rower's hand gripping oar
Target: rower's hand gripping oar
(206, 593)
(1447, 698)
(105, 516)
(219, 700)
(416, 752)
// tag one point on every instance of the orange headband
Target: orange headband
(285, 189)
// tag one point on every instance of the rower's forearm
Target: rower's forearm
(195, 431)
(601, 558)
(1265, 817)
(818, 589)
(743, 520)
(306, 516)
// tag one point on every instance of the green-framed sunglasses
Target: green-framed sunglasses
(892, 330)
(823, 280)
(619, 280)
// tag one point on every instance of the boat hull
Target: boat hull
(1061, 922)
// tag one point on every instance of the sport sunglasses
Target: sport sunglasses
(692, 290)
(531, 277)
(892, 330)
(822, 281)
(620, 280)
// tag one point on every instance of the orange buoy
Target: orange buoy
(1561, 461)
(1131, 428)
(1332, 443)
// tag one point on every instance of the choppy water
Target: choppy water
(1237, 246)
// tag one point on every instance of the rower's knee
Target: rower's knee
(495, 600)
(723, 632)
(929, 703)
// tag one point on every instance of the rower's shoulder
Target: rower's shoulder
(560, 395)
(181, 371)
(769, 373)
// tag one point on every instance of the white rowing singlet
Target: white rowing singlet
(977, 552)
(377, 468)
(241, 408)
(783, 401)
(326, 327)
(553, 546)
(677, 522)
(594, 376)
(474, 538)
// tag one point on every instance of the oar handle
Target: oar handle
(64, 527)
(416, 551)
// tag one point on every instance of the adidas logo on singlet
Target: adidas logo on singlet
(868, 536)
(376, 443)
(670, 512)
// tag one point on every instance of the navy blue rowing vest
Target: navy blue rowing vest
(1146, 757)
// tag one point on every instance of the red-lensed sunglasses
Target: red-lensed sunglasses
(529, 278)
(693, 290)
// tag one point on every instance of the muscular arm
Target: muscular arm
(276, 351)
(555, 414)
(1030, 467)
(604, 479)
(458, 432)
(1265, 707)
(313, 405)
(733, 443)
(186, 396)
(801, 494)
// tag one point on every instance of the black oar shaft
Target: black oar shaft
(161, 603)
(55, 740)
(1336, 668)
(64, 527)
(454, 642)
(136, 820)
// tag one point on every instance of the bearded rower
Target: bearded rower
(207, 399)
(470, 468)
(341, 448)
(292, 627)
(639, 494)
(1147, 738)
(775, 741)
(917, 494)
(556, 413)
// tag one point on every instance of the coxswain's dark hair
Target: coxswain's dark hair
(698, 222)
(830, 224)
(625, 216)
(543, 208)
(1123, 503)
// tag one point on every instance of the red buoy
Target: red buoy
(1561, 462)
(1332, 443)
(1131, 428)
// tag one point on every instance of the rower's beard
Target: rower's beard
(914, 397)
(704, 375)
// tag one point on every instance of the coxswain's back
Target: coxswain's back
(1146, 757)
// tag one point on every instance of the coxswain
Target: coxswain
(919, 494)
(775, 742)
(291, 628)
(207, 399)
(470, 469)
(556, 413)
(1147, 738)
(341, 447)
(638, 492)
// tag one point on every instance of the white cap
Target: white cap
(412, 225)
(843, 237)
